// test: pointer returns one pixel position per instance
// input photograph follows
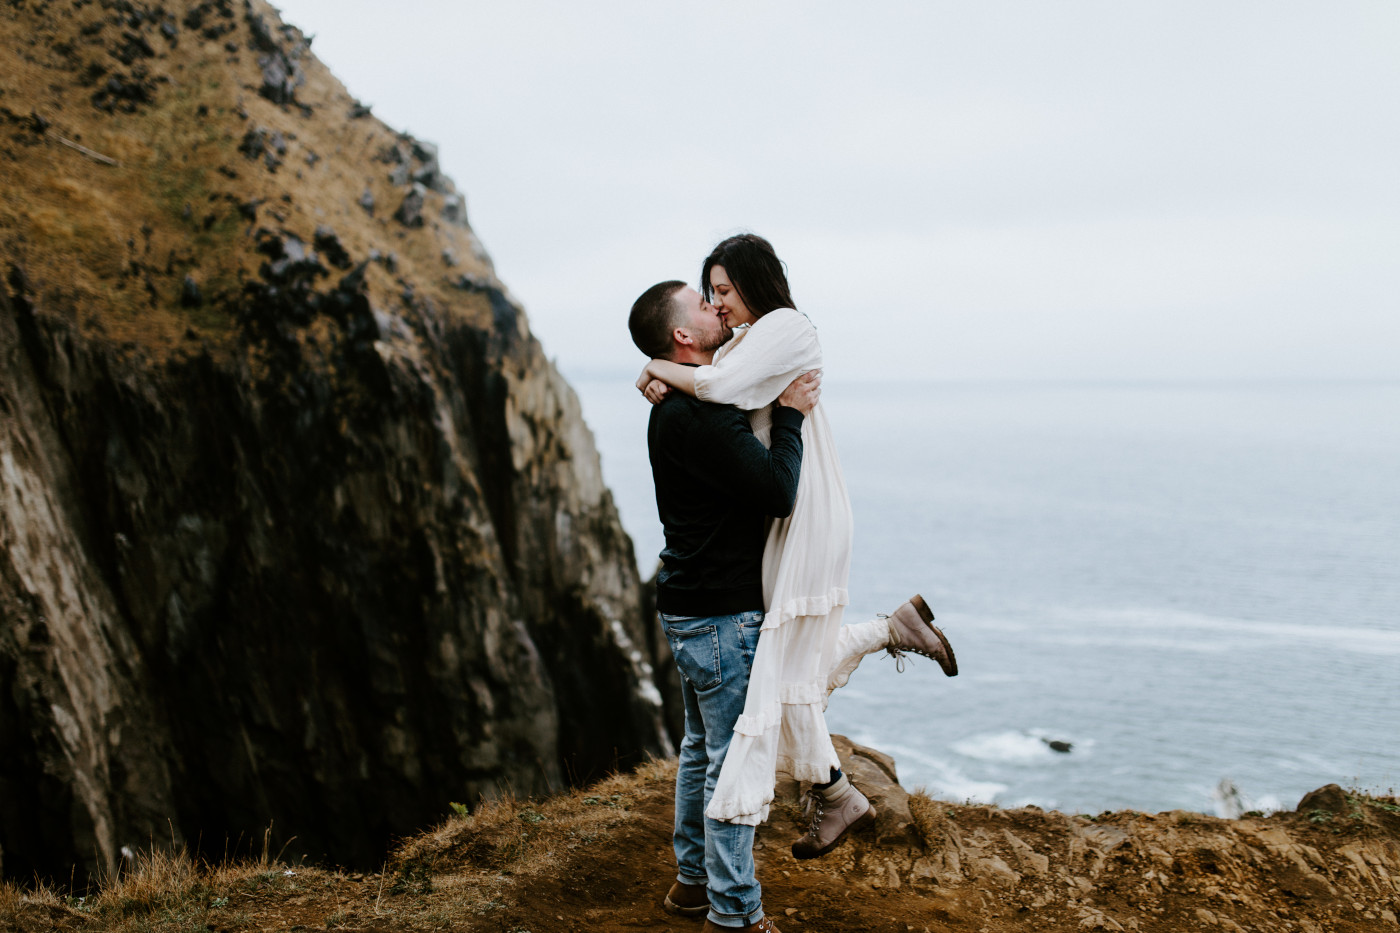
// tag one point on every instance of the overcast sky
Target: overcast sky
(981, 189)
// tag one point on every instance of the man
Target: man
(715, 484)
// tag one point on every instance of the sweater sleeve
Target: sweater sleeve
(722, 446)
(781, 346)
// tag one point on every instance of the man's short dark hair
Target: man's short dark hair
(653, 316)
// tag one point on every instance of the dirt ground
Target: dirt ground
(599, 859)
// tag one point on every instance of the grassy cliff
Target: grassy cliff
(299, 520)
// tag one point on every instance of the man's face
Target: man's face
(698, 318)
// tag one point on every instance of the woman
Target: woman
(804, 652)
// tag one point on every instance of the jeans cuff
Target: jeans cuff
(701, 880)
(735, 921)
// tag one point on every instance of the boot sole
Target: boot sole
(926, 614)
(867, 818)
(674, 908)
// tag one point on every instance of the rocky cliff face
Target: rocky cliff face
(300, 527)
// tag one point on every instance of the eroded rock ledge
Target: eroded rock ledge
(1333, 864)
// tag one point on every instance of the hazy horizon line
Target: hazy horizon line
(597, 373)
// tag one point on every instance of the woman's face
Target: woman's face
(726, 299)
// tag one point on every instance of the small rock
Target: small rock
(266, 143)
(430, 176)
(425, 152)
(190, 295)
(991, 868)
(358, 111)
(367, 202)
(1028, 860)
(1101, 837)
(454, 209)
(410, 212)
(289, 259)
(392, 154)
(281, 78)
(1329, 799)
(330, 246)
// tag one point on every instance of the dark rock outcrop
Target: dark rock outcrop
(294, 532)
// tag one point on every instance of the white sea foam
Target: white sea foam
(1016, 747)
(937, 776)
(1229, 801)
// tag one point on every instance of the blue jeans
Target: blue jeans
(714, 655)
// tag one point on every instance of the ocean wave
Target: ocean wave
(1013, 747)
(1154, 623)
(938, 777)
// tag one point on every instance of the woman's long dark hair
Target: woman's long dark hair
(754, 269)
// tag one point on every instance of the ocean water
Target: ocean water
(1187, 583)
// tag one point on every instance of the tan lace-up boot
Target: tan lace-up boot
(912, 629)
(835, 811)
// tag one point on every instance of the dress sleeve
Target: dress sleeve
(781, 346)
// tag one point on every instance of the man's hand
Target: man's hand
(803, 392)
(656, 391)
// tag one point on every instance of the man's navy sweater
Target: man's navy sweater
(715, 485)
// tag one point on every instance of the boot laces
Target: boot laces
(893, 651)
(816, 809)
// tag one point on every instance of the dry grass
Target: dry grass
(466, 864)
(929, 815)
(13, 897)
(459, 872)
(110, 246)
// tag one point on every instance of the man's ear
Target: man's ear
(682, 337)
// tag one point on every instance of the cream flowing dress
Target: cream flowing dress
(806, 566)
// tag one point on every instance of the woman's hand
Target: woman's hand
(670, 376)
(656, 391)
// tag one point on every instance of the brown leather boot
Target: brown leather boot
(766, 925)
(835, 811)
(912, 629)
(687, 900)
